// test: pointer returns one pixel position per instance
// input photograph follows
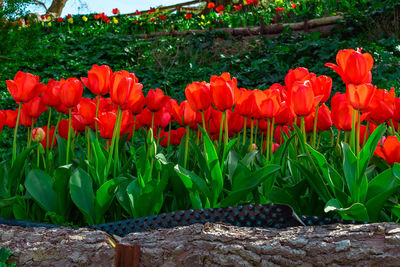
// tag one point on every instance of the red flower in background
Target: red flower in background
(2, 119)
(115, 11)
(188, 16)
(324, 120)
(238, 7)
(137, 12)
(124, 88)
(210, 5)
(155, 100)
(98, 80)
(11, 118)
(60, 20)
(301, 98)
(87, 109)
(183, 113)
(322, 85)
(49, 137)
(279, 9)
(175, 137)
(220, 8)
(25, 86)
(35, 107)
(51, 96)
(162, 17)
(25, 119)
(69, 16)
(390, 150)
(106, 124)
(248, 2)
(353, 66)
(382, 107)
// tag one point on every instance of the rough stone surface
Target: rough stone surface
(211, 245)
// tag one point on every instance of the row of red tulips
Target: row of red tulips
(219, 106)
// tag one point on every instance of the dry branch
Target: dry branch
(311, 25)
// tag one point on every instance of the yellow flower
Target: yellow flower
(172, 26)
(49, 24)
(141, 23)
(202, 17)
(84, 18)
(115, 21)
(42, 23)
(71, 20)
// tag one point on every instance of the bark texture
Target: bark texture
(57, 7)
(211, 245)
(57, 247)
(325, 25)
(224, 245)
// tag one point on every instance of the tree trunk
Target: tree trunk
(209, 245)
(56, 7)
(225, 245)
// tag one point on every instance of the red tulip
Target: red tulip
(175, 137)
(126, 123)
(70, 92)
(353, 66)
(390, 151)
(25, 86)
(98, 80)
(188, 16)
(396, 112)
(155, 100)
(198, 95)
(78, 123)
(220, 8)
(136, 103)
(236, 122)
(285, 114)
(223, 91)
(324, 120)
(51, 96)
(382, 107)
(341, 112)
(38, 134)
(360, 96)
(106, 124)
(2, 119)
(297, 75)
(270, 106)
(87, 109)
(210, 5)
(322, 85)
(11, 118)
(124, 88)
(25, 119)
(301, 98)
(63, 129)
(50, 137)
(278, 133)
(183, 113)
(35, 107)
(115, 11)
(247, 103)
(162, 118)
(145, 117)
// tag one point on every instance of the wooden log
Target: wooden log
(209, 245)
(224, 245)
(264, 29)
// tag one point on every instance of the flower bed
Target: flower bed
(129, 156)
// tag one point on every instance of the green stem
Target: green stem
(48, 132)
(88, 142)
(332, 137)
(169, 136)
(366, 132)
(353, 131)
(303, 129)
(30, 135)
(111, 149)
(158, 138)
(133, 130)
(271, 137)
(346, 137)
(251, 135)
(204, 127)
(226, 139)
(186, 146)
(37, 156)
(244, 130)
(267, 145)
(338, 137)
(152, 121)
(55, 131)
(319, 140)
(392, 126)
(116, 162)
(255, 133)
(221, 127)
(315, 127)
(97, 115)
(69, 135)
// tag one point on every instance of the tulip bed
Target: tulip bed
(120, 154)
(250, 13)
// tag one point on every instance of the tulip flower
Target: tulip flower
(353, 66)
(341, 112)
(301, 98)
(11, 118)
(396, 112)
(220, 8)
(24, 87)
(247, 103)
(198, 96)
(360, 96)
(124, 88)
(106, 122)
(382, 106)
(25, 119)
(35, 107)
(390, 150)
(271, 104)
(98, 80)
(210, 5)
(278, 133)
(322, 85)
(297, 75)
(87, 110)
(51, 96)
(155, 100)
(324, 121)
(183, 113)
(70, 92)
(223, 91)
(175, 137)
(49, 137)
(62, 130)
(2, 119)
(38, 134)
(115, 11)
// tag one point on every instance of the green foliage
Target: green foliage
(4, 255)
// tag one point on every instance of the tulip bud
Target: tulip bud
(150, 137)
(38, 134)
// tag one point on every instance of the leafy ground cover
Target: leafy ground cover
(167, 158)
